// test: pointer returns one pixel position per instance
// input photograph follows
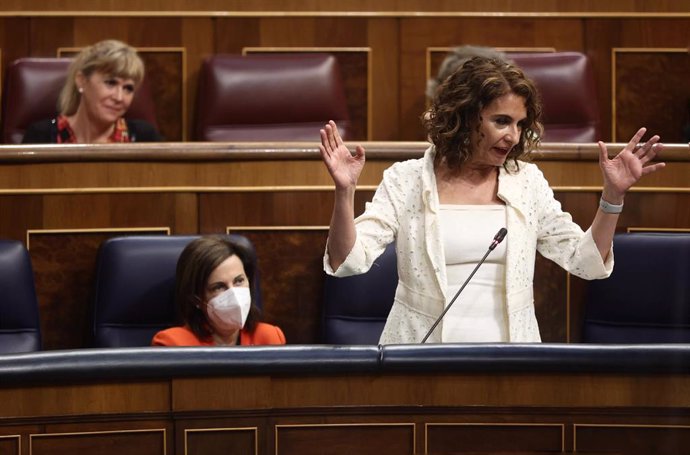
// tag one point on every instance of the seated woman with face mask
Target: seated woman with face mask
(214, 297)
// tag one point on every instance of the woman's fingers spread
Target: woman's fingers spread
(652, 168)
(635, 140)
(324, 140)
(336, 133)
(603, 152)
(331, 137)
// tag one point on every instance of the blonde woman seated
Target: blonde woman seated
(100, 86)
(215, 298)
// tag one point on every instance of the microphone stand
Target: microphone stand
(497, 239)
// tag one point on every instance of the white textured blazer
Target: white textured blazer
(405, 209)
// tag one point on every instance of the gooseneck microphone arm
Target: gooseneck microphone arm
(498, 238)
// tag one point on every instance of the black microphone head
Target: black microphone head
(498, 238)
(500, 235)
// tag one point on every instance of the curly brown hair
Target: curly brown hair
(455, 111)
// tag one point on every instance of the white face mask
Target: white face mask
(229, 310)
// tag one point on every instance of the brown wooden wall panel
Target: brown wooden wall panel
(382, 412)
(502, 389)
(10, 445)
(136, 442)
(604, 35)
(274, 208)
(220, 441)
(29, 401)
(632, 439)
(197, 39)
(640, 98)
(362, 439)
(64, 265)
(486, 438)
(165, 71)
(14, 43)
(18, 213)
(357, 6)
(291, 268)
(119, 175)
(551, 300)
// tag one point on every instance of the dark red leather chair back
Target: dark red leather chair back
(566, 83)
(32, 88)
(269, 97)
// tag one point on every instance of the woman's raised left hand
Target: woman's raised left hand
(626, 168)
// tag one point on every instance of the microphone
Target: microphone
(498, 238)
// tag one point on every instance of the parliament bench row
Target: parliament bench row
(646, 300)
(289, 96)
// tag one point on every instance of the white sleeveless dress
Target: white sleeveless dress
(479, 313)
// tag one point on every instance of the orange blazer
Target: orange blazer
(182, 336)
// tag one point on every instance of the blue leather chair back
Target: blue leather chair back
(356, 307)
(647, 297)
(20, 329)
(135, 286)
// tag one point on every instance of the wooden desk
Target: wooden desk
(182, 402)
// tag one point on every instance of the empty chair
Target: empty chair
(134, 288)
(269, 97)
(566, 83)
(20, 329)
(647, 297)
(32, 87)
(356, 307)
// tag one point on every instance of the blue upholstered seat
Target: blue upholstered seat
(20, 329)
(355, 308)
(647, 297)
(134, 288)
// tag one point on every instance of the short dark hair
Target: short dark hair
(196, 263)
(459, 100)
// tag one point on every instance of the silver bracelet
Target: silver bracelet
(607, 207)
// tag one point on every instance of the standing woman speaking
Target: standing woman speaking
(100, 86)
(443, 209)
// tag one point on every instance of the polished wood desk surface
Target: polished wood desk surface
(220, 151)
(181, 167)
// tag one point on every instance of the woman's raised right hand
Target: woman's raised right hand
(343, 166)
